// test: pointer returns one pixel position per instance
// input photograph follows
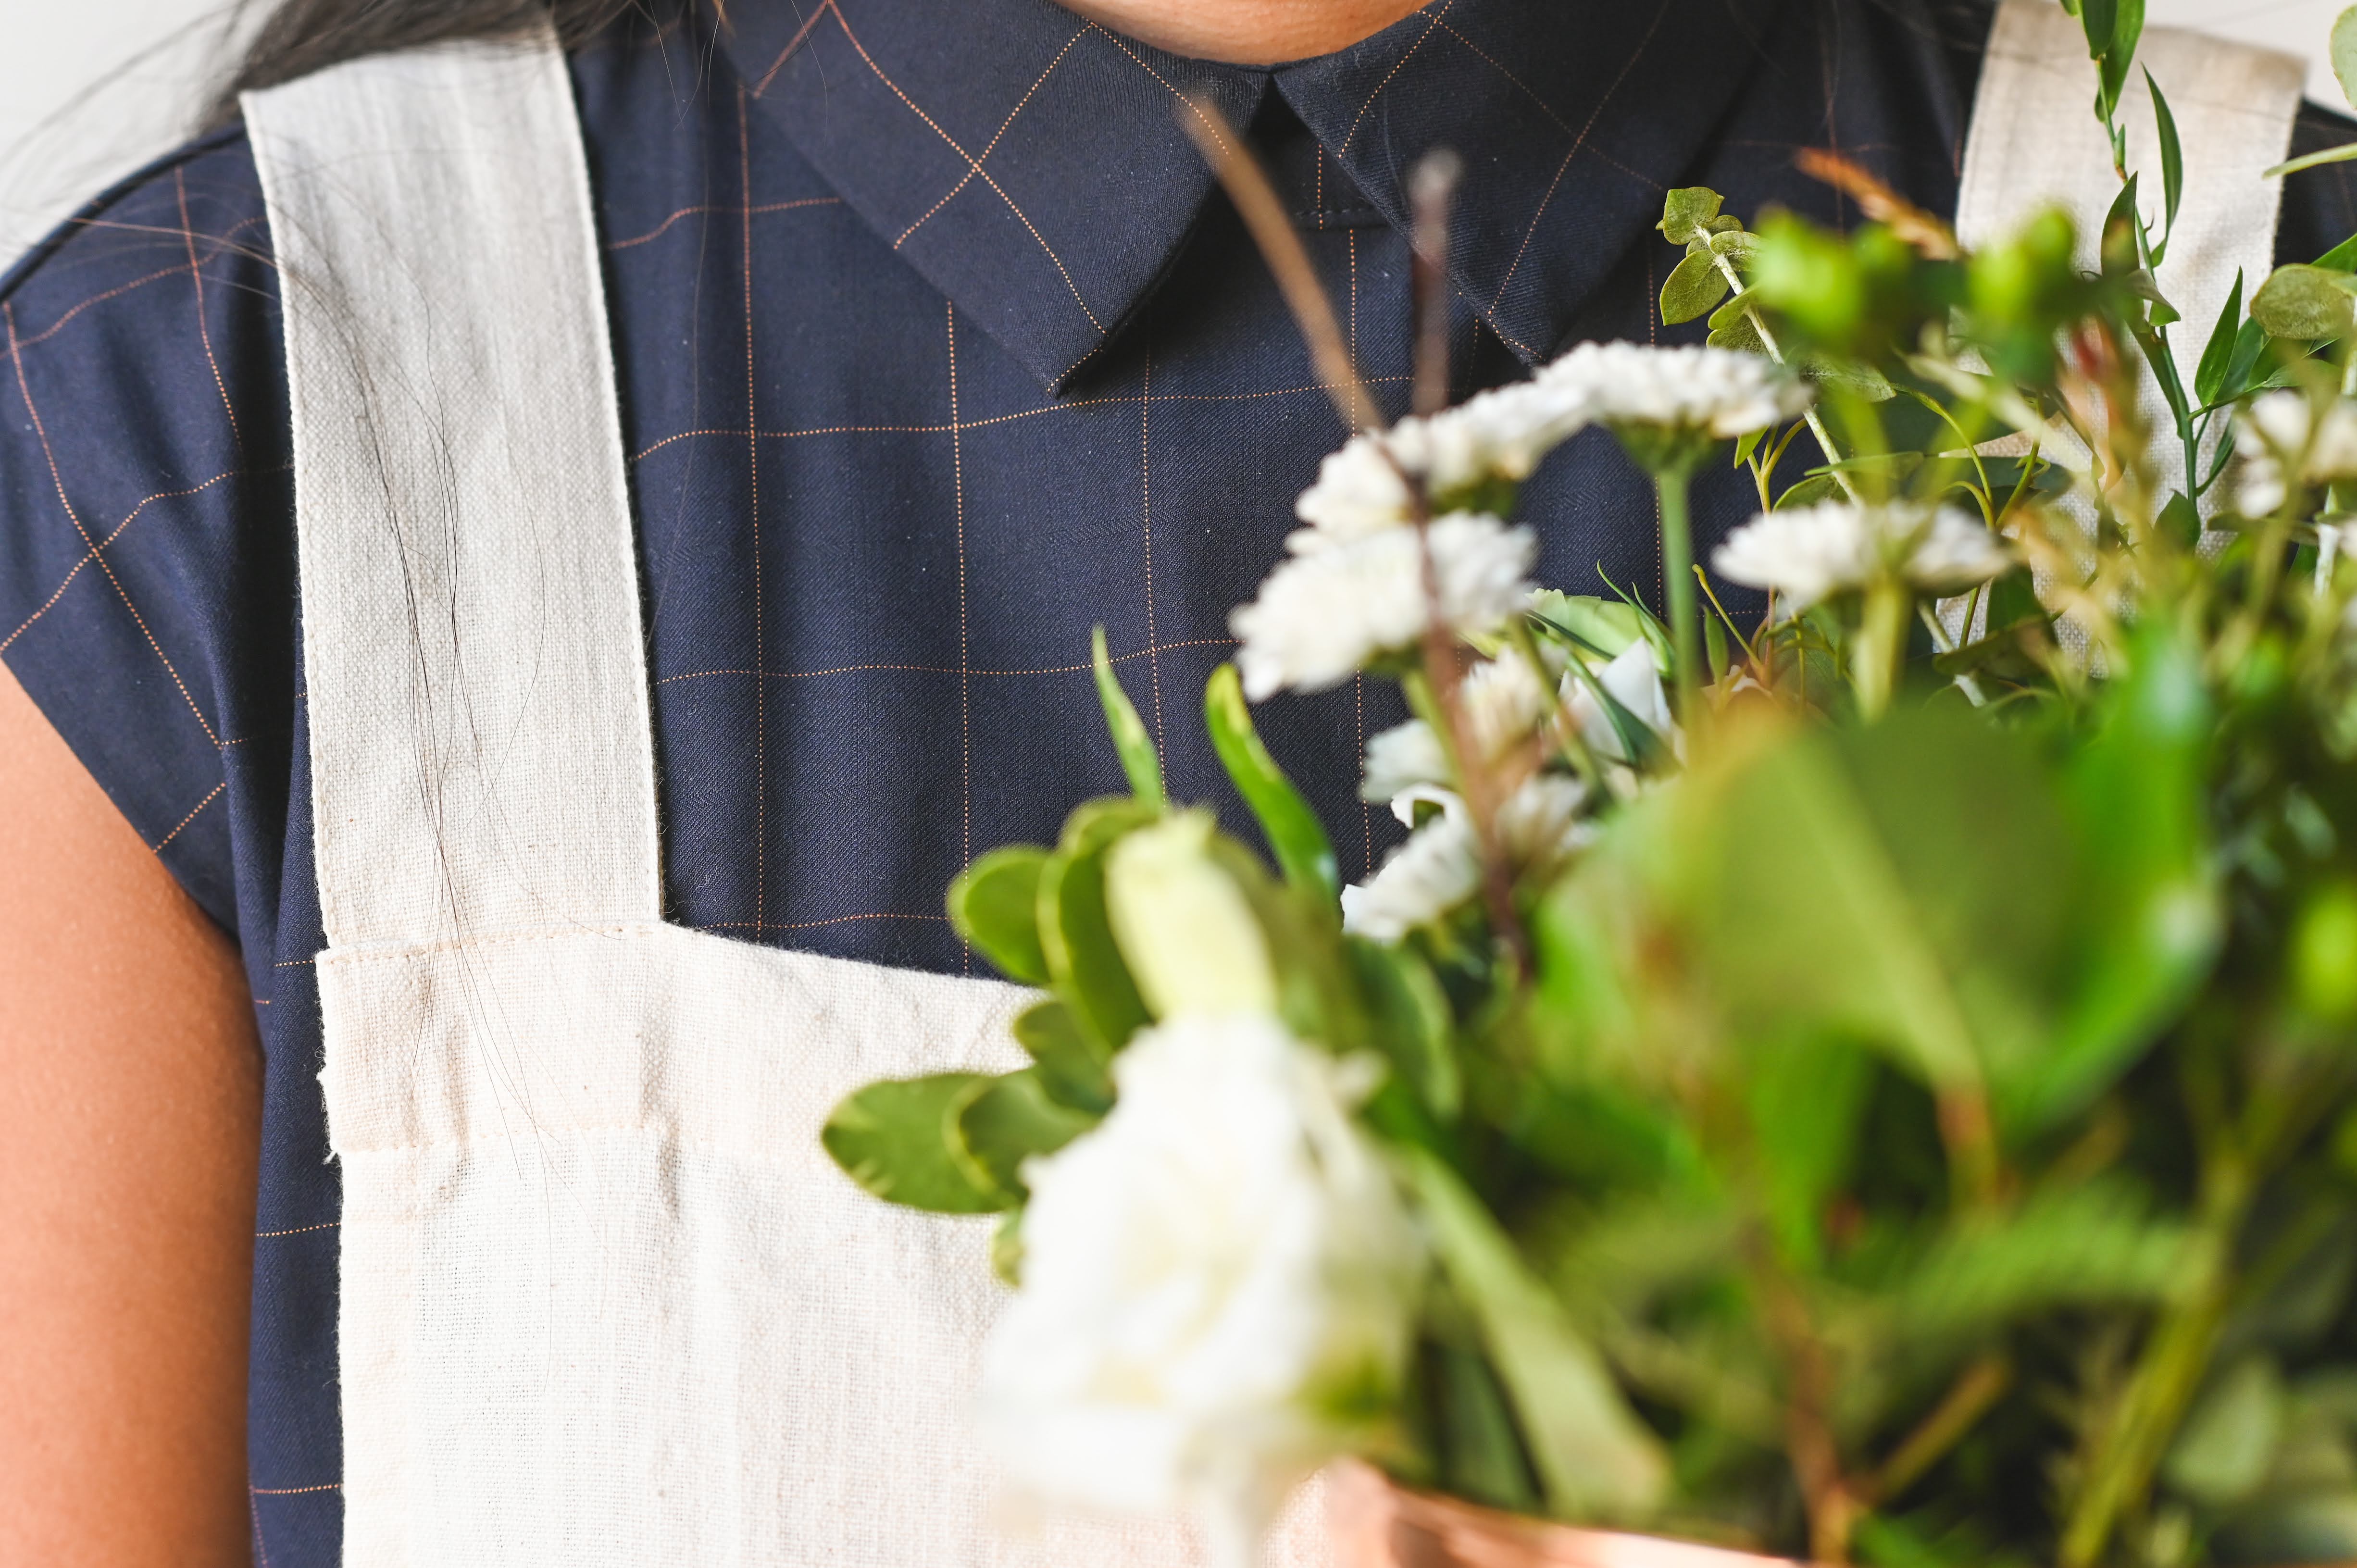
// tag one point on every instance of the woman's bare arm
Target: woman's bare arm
(130, 1112)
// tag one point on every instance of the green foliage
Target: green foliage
(1295, 835)
(994, 905)
(895, 1139)
(1139, 761)
(2304, 303)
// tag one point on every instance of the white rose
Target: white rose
(1214, 1281)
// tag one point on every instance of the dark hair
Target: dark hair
(304, 36)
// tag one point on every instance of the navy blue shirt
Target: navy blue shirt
(937, 348)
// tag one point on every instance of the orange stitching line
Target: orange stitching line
(1545, 107)
(92, 555)
(299, 1230)
(1431, 20)
(1024, 218)
(253, 1511)
(791, 45)
(1203, 119)
(294, 963)
(945, 668)
(221, 242)
(967, 179)
(24, 390)
(1564, 168)
(753, 515)
(999, 418)
(1146, 522)
(296, 1491)
(191, 817)
(965, 661)
(664, 227)
(204, 327)
(806, 925)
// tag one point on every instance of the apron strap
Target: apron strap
(2035, 143)
(481, 754)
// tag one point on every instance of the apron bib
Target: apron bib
(604, 1298)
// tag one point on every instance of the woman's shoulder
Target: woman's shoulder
(146, 551)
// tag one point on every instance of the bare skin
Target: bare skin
(1247, 32)
(129, 1129)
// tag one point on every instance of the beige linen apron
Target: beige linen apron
(604, 1299)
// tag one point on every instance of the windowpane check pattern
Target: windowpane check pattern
(937, 348)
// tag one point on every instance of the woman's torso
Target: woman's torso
(933, 354)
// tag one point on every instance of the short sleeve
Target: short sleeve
(146, 523)
(2319, 205)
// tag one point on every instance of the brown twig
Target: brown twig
(1256, 201)
(1432, 184)
(1879, 202)
(1978, 1387)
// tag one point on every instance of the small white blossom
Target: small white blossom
(1439, 866)
(1324, 614)
(1213, 1277)
(1503, 703)
(2276, 428)
(1499, 434)
(1809, 553)
(1717, 392)
(1633, 681)
(1400, 759)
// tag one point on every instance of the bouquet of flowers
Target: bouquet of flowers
(1879, 1083)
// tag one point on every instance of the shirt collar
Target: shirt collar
(1030, 164)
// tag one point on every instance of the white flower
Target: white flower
(1503, 703)
(1215, 1280)
(1633, 681)
(1340, 603)
(1714, 391)
(1439, 866)
(1400, 758)
(2276, 428)
(1499, 434)
(1812, 552)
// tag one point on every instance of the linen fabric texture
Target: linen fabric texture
(873, 527)
(605, 1298)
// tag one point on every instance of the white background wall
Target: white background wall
(89, 89)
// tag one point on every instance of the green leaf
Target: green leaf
(1693, 285)
(1084, 963)
(2097, 19)
(2172, 161)
(893, 1138)
(2250, 343)
(1740, 336)
(2305, 304)
(2094, 1244)
(1071, 1066)
(2220, 351)
(1480, 1456)
(2343, 257)
(1000, 1122)
(1600, 625)
(2180, 519)
(1594, 1457)
(1295, 835)
(2127, 31)
(2344, 53)
(2223, 1450)
(1130, 740)
(1807, 1094)
(1737, 245)
(1688, 212)
(1727, 316)
(1810, 491)
(1413, 1026)
(994, 905)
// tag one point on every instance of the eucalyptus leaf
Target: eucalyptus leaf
(994, 905)
(1687, 211)
(2307, 304)
(1000, 1122)
(1071, 1066)
(1692, 287)
(894, 1139)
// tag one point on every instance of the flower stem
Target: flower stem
(1677, 568)
(1775, 351)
